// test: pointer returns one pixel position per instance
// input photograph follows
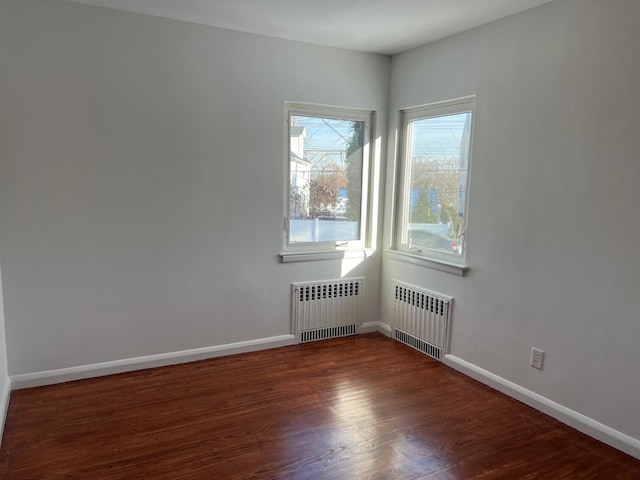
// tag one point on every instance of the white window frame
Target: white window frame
(302, 251)
(433, 258)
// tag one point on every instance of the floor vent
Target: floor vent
(418, 344)
(421, 319)
(326, 309)
(327, 332)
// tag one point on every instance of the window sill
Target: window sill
(291, 257)
(434, 264)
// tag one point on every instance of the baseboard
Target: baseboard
(381, 327)
(4, 405)
(567, 416)
(50, 377)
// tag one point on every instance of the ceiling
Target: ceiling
(375, 26)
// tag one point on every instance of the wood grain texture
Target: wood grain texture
(364, 407)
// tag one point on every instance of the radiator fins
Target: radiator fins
(421, 319)
(420, 345)
(326, 309)
(326, 333)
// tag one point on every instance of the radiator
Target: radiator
(326, 309)
(422, 319)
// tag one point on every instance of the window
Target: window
(434, 162)
(328, 167)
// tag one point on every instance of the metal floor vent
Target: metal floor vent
(327, 332)
(421, 319)
(420, 345)
(326, 309)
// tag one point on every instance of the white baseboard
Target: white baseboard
(4, 405)
(50, 377)
(570, 417)
(369, 327)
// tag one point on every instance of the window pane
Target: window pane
(325, 179)
(439, 158)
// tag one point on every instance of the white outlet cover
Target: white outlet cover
(537, 358)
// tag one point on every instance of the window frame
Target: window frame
(426, 256)
(327, 247)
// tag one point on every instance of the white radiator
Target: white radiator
(326, 309)
(421, 319)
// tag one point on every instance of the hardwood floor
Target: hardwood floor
(363, 407)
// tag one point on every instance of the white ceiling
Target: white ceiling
(377, 26)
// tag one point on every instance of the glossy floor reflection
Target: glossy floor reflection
(363, 407)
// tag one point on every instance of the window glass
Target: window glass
(435, 164)
(327, 159)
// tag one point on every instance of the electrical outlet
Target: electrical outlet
(537, 358)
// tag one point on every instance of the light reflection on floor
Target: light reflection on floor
(353, 409)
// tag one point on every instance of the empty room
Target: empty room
(319, 240)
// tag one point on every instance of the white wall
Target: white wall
(141, 181)
(555, 187)
(5, 384)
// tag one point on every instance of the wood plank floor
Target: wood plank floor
(364, 407)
